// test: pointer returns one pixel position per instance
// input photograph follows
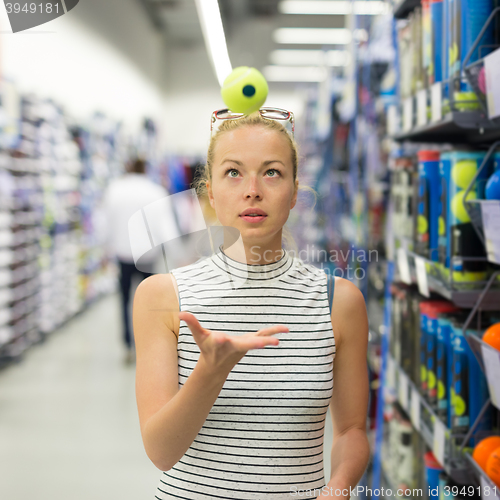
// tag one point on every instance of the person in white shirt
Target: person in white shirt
(123, 198)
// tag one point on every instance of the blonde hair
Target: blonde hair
(254, 119)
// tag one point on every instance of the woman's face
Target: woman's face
(252, 168)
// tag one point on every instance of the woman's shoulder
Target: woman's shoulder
(347, 293)
(159, 293)
(152, 285)
(349, 307)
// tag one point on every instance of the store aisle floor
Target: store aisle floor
(69, 428)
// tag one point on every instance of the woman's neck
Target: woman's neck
(254, 254)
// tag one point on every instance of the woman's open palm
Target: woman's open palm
(222, 351)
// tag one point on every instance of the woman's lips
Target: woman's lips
(253, 219)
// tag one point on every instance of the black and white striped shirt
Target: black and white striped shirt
(263, 438)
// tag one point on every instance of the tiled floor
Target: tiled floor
(69, 428)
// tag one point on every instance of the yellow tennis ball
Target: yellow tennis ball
(244, 90)
(422, 224)
(458, 208)
(463, 172)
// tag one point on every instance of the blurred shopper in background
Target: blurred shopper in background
(122, 199)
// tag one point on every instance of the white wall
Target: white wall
(102, 55)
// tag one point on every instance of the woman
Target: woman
(232, 395)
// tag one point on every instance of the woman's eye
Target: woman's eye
(276, 172)
(231, 170)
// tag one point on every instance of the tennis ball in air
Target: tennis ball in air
(244, 90)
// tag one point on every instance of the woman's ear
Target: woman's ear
(210, 195)
(294, 197)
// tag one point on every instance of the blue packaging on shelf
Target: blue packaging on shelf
(423, 347)
(496, 161)
(432, 471)
(457, 236)
(492, 190)
(444, 180)
(466, 20)
(426, 243)
(433, 310)
(469, 387)
(446, 43)
(437, 39)
(444, 355)
(459, 396)
(443, 366)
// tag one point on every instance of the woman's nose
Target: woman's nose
(253, 188)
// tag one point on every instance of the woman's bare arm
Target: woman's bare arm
(349, 404)
(169, 418)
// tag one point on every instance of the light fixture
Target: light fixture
(334, 7)
(215, 41)
(294, 73)
(306, 57)
(318, 36)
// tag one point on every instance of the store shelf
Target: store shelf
(404, 7)
(490, 365)
(465, 298)
(481, 476)
(440, 439)
(456, 292)
(488, 233)
(457, 127)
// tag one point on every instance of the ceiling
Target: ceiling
(178, 20)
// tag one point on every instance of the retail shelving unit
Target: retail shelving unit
(460, 293)
(423, 118)
(456, 127)
(52, 177)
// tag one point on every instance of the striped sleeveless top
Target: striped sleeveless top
(263, 438)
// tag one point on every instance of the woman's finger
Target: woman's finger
(247, 343)
(271, 330)
(193, 324)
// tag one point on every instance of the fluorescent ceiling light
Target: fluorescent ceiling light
(294, 73)
(319, 36)
(309, 57)
(334, 7)
(215, 41)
